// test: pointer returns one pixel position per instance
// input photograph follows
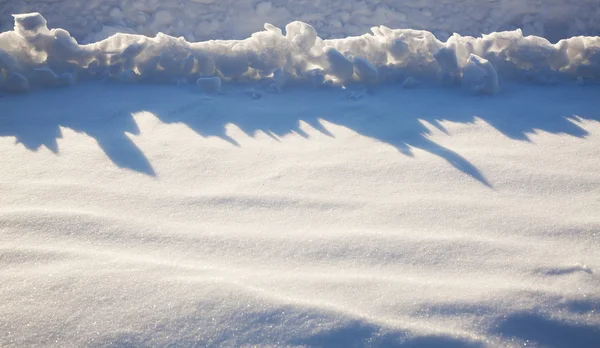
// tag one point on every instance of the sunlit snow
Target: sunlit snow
(350, 175)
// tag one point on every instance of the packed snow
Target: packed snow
(398, 188)
(33, 55)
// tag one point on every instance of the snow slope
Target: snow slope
(153, 216)
(393, 189)
(236, 19)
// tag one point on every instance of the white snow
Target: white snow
(296, 185)
(385, 55)
(479, 76)
(151, 215)
(237, 19)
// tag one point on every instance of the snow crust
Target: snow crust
(197, 20)
(52, 57)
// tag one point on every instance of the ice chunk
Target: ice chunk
(63, 46)
(301, 34)
(209, 84)
(273, 29)
(446, 58)
(479, 76)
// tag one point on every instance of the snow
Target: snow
(479, 76)
(237, 19)
(296, 185)
(383, 56)
(150, 215)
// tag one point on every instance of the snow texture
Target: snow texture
(197, 20)
(479, 76)
(150, 215)
(37, 53)
(294, 186)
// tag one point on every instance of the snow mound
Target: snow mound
(37, 53)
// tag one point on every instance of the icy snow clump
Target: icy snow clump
(34, 56)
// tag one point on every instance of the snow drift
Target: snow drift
(33, 55)
(196, 20)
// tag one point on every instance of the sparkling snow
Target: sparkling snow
(394, 189)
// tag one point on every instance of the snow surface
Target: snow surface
(391, 189)
(153, 216)
(32, 55)
(91, 20)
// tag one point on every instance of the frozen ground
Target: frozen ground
(236, 19)
(152, 215)
(386, 190)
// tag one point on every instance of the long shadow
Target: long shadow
(350, 336)
(360, 334)
(271, 328)
(531, 326)
(36, 121)
(548, 332)
(391, 115)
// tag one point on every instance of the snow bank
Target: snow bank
(236, 19)
(296, 54)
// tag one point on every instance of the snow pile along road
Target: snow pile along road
(33, 55)
(196, 20)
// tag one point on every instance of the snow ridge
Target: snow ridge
(33, 55)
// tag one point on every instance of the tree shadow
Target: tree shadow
(548, 332)
(36, 121)
(530, 326)
(398, 117)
